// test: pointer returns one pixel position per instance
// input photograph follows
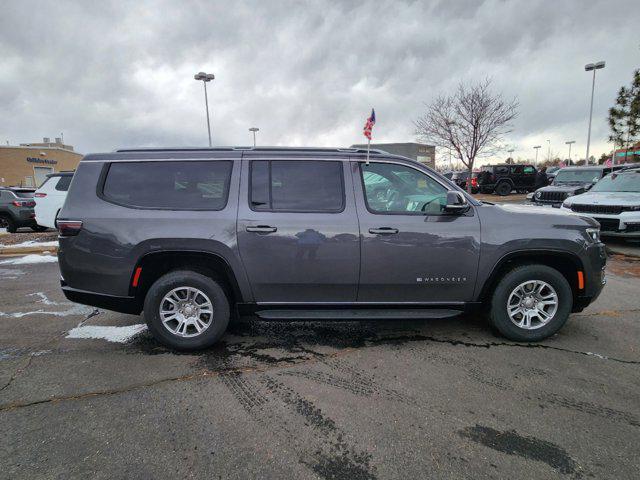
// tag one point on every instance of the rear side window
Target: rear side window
(502, 170)
(192, 185)
(63, 183)
(296, 186)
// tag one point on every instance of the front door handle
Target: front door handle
(262, 229)
(383, 230)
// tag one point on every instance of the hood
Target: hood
(573, 188)
(607, 198)
(549, 216)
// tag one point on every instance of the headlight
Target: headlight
(594, 234)
(566, 204)
(568, 194)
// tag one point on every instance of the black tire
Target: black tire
(499, 316)
(9, 223)
(39, 228)
(503, 189)
(187, 278)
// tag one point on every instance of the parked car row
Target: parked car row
(35, 209)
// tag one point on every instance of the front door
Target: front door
(412, 251)
(298, 230)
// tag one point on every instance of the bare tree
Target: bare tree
(472, 122)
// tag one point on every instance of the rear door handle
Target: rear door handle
(383, 230)
(262, 229)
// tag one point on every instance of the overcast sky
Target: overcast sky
(113, 74)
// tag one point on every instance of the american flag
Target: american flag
(371, 121)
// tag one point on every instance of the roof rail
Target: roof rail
(257, 149)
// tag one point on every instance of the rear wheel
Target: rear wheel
(186, 310)
(8, 223)
(503, 188)
(531, 302)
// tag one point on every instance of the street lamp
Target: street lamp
(548, 150)
(570, 142)
(587, 68)
(254, 130)
(510, 153)
(206, 77)
(537, 147)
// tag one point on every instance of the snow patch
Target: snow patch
(27, 259)
(110, 334)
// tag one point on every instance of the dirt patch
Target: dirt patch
(624, 266)
(17, 238)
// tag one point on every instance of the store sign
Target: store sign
(41, 160)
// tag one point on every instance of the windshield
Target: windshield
(619, 182)
(578, 176)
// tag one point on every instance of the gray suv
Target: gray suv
(16, 209)
(193, 237)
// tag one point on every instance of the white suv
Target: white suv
(50, 197)
(614, 202)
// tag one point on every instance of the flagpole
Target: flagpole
(368, 145)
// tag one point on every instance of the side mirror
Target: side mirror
(456, 202)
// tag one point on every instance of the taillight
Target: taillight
(24, 203)
(69, 228)
(474, 182)
(40, 195)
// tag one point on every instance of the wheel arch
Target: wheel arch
(567, 263)
(155, 264)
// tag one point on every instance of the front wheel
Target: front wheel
(531, 303)
(185, 310)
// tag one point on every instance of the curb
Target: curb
(7, 250)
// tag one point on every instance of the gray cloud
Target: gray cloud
(115, 74)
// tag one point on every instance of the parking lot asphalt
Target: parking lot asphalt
(356, 400)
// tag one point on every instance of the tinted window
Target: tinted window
(391, 188)
(63, 183)
(23, 193)
(192, 185)
(529, 170)
(502, 170)
(517, 169)
(297, 186)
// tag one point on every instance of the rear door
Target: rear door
(412, 252)
(298, 230)
(529, 176)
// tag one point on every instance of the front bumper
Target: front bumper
(594, 263)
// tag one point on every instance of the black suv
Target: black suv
(503, 179)
(192, 237)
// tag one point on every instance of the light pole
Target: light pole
(511, 153)
(206, 77)
(254, 130)
(548, 150)
(587, 68)
(570, 142)
(537, 147)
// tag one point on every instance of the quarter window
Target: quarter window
(192, 185)
(63, 183)
(297, 186)
(393, 188)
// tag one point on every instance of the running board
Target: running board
(357, 314)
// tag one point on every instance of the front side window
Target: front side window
(168, 185)
(296, 186)
(393, 188)
(528, 170)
